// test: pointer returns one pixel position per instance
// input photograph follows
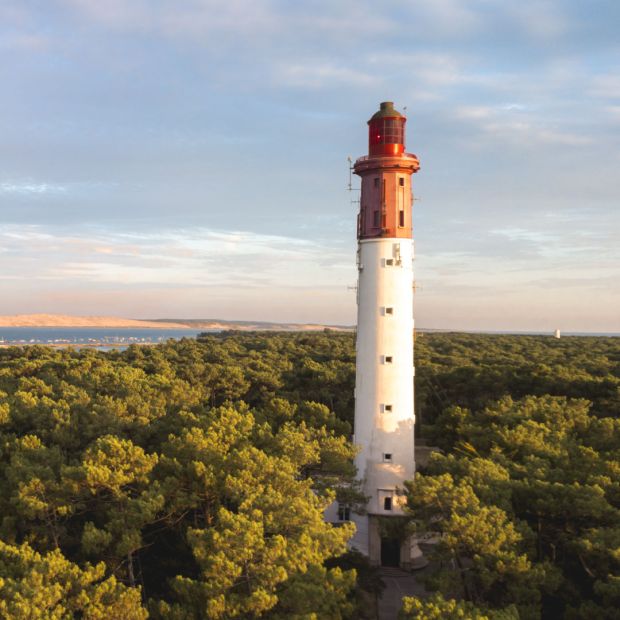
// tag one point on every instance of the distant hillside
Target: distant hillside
(62, 320)
(250, 325)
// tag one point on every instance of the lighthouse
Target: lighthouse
(384, 409)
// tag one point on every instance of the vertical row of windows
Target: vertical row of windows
(380, 219)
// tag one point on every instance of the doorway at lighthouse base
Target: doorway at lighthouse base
(390, 543)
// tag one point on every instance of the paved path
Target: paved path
(398, 583)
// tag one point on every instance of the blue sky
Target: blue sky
(187, 158)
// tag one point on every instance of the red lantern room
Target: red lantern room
(385, 201)
(386, 132)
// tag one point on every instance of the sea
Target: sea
(107, 338)
(101, 338)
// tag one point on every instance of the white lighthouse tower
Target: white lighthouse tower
(384, 414)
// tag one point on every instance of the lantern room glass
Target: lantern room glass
(387, 131)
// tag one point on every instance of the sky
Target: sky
(188, 158)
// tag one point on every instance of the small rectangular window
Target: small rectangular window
(389, 261)
(389, 310)
(388, 408)
(376, 179)
(375, 219)
(401, 218)
(387, 503)
(401, 181)
(387, 457)
(344, 512)
(388, 359)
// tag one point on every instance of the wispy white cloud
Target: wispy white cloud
(24, 42)
(516, 124)
(321, 75)
(541, 19)
(30, 187)
(605, 86)
(191, 256)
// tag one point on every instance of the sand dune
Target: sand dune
(63, 320)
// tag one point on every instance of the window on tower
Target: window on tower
(401, 181)
(401, 218)
(387, 359)
(387, 503)
(376, 181)
(387, 408)
(375, 219)
(344, 512)
(387, 457)
(389, 310)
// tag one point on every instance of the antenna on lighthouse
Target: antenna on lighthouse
(350, 185)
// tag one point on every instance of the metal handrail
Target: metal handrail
(405, 155)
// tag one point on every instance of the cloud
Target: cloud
(184, 256)
(260, 20)
(321, 75)
(518, 125)
(29, 187)
(541, 19)
(24, 42)
(606, 86)
(219, 132)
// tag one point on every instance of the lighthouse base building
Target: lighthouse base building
(384, 406)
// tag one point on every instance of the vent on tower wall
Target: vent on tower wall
(396, 251)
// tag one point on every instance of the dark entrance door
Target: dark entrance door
(390, 552)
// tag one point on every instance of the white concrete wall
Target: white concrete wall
(379, 382)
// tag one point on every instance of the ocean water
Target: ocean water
(105, 338)
(102, 338)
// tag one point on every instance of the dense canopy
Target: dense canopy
(187, 480)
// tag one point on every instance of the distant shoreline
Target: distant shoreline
(51, 321)
(105, 322)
